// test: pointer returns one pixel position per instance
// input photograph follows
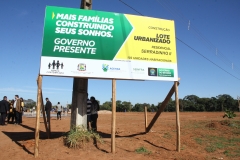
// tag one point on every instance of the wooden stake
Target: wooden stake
(39, 104)
(49, 125)
(177, 116)
(113, 115)
(161, 108)
(145, 115)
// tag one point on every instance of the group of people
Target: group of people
(48, 108)
(92, 112)
(12, 109)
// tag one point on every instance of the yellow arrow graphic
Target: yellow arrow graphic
(53, 15)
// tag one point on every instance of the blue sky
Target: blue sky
(214, 25)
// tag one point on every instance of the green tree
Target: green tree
(69, 106)
(224, 102)
(126, 106)
(29, 103)
(106, 106)
(190, 103)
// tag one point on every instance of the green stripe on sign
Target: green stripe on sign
(88, 34)
(163, 72)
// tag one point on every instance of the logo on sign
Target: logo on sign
(81, 67)
(105, 67)
(152, 71)
(55, 65)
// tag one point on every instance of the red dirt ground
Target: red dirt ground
(17, 142)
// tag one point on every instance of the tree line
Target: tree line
(188, 103)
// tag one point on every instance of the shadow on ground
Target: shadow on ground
(18, 137)
(107, 135)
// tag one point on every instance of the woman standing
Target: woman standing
(22, 106)
(11, 113)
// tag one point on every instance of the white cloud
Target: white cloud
(19, 90)
(52, 89)
(11, 89)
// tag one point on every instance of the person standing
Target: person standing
(48, 108)
(11, 113)
(3, 110)
(17, 109)
(59, 111)
(21, 114)
(89, 103)
(94, 113)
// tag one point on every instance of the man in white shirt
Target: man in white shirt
(17, 109)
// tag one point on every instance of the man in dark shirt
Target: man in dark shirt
(4, 109)
(94, 113)
(48, 108)
(89, 104)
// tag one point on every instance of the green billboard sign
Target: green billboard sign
(89, 43)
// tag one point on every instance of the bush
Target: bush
(78, 136)
(142, 150)
(229, 114)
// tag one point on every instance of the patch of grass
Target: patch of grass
(213, 143)
(210, 148)
(78, 136)
(183, 147)
(220, 145)
(233, 142)
(235, 153)
(193, 125)
(199, 141)
(167, 135)
(235, 125)
(142, 150)
(227, 153)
